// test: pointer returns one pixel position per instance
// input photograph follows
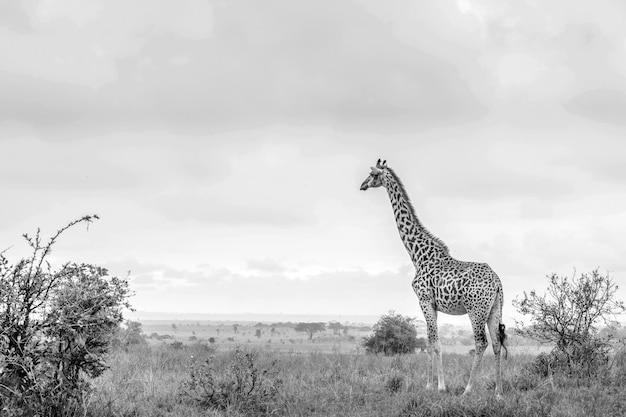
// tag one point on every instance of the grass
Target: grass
(147, 380)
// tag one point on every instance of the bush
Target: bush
(393, 334)
(394, 383)
(177, 345)
(568, 316)
(240, 384)
(57, 327)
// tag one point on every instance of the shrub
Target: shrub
(57, 327)
(394, 383)
(393, 334)
(240, 384)
(568, 316)
(177, 345)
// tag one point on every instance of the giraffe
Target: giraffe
(445, 284)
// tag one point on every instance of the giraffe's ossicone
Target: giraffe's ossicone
(445, 284)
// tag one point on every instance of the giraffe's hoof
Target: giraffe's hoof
(429, 387)
(441, 388)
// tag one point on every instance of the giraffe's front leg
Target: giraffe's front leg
(434, 348)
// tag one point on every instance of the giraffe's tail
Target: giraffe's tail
(502, 339)
(501, 327)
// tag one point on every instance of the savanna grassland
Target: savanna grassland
(329, 376)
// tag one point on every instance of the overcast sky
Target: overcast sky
(223, 143)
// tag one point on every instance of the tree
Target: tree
(335, 327)
(257, 333)
(310, 328)
(131, 335)
(57, 325)
(422, 344)
(568, 316)
(393, 334)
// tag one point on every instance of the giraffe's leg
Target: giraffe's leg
(441, 384)
(493, 323)
(480, 338)
(431, 364)
(434, 348)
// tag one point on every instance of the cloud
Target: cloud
(266, 265)
(607, 106)
(225, 290)
(254, 65)
(76, 69)
(79, 42)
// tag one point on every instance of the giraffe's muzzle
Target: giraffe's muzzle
(365, 185)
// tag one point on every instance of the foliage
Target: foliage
(422, 344)
(393, 334)
(177, 345)
(310, 328)
(131, 335)
(242, 385)
(56, 328)
(335, 327)
(568, 316)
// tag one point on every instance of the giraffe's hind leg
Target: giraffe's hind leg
(480, 338)
(493, 322)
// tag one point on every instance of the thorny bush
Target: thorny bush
(241, 384)
(56, 327)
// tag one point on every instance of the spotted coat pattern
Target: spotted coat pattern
(443, 283)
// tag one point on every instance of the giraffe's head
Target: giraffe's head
(376, 178)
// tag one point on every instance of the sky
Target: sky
(223, 143)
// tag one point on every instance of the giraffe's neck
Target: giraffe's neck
(418, 241)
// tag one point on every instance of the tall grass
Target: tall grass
(147, 381)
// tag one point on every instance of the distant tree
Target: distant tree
(422, 344)
(568, 316)
(310, 328)
(346, 330)
(129, 336)
(235, 328)
(174, 327)
(257, 333)
(335, 327)
(393, 334)
(211, 340)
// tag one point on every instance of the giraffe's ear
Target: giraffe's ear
(378, 163)
(384, 163)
